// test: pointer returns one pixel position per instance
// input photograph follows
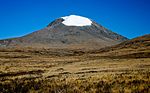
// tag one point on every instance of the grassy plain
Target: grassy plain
(27, 70)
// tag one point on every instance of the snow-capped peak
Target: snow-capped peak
(74, 20)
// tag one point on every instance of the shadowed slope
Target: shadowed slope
(135, 48)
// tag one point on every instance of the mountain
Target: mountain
(68, 32)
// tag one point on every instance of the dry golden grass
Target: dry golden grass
(73, 71)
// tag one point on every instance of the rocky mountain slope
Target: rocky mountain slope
(68, 32)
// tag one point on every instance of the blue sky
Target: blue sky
(130, 18)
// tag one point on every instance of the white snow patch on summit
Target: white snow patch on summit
(74, 20)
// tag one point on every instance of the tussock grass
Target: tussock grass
(113, 83)
(73, 71)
